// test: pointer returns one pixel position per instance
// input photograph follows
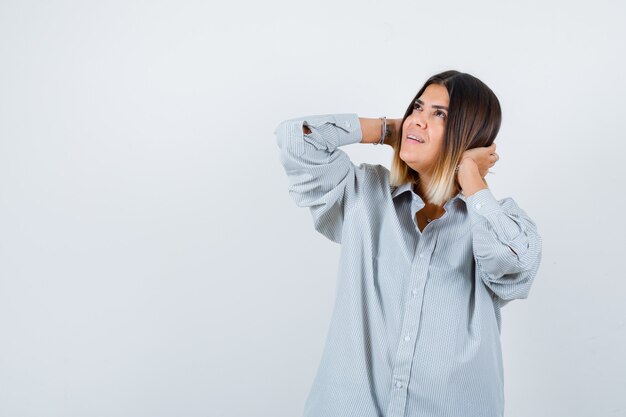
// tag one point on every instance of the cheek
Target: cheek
(437, 141)
(437, 136)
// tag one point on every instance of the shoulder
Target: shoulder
(372, 182)
(375, 173)
(370, 195)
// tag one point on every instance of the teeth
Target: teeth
(414, 137)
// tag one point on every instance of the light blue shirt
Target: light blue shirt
(415, 329)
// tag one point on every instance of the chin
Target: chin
(416, 165)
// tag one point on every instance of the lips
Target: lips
(414, 137)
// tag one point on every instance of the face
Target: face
(428, 123)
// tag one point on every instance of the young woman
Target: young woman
(428, 255)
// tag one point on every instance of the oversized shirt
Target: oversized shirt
(415, 329)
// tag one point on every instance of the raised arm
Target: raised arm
(507, 246)
(321, 176)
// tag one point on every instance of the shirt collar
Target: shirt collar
(407, 186)
(401, 189)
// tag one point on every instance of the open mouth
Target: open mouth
(415, 138)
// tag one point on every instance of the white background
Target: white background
(147, 237)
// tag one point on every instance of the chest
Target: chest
(422, 220)
(406, 259)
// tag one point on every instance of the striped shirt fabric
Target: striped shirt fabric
(415, 328)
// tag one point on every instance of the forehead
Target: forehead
(435, 94)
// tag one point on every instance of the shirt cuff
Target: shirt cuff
(349, 122)
(482, 203)
(349, 127)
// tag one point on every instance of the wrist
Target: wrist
(469, 177)
(466, 165)
(371, 129)
(393, 131)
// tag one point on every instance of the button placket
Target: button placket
(412, 313)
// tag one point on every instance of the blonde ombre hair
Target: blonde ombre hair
(474, 118)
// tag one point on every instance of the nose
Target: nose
(419, 119)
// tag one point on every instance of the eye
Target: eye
(441, 114)
(415, 106)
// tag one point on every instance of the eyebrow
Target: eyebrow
(434, 106)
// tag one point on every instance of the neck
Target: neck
(430, 210)
(422, 183)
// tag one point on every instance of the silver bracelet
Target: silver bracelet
(383, 131)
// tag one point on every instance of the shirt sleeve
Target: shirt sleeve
(321, 176)
(506, 244)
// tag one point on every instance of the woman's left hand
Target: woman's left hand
(484, 158)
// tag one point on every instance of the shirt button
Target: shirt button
(414, 291)
(407, 338)
(422, 255)
(399, 384)
(478, 206)
(347, 124)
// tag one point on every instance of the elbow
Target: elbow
(281, 133)
(530, 258)
(509, 257)
(290, 141)
(511, 286)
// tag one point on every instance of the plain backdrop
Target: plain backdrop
(148, 243)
